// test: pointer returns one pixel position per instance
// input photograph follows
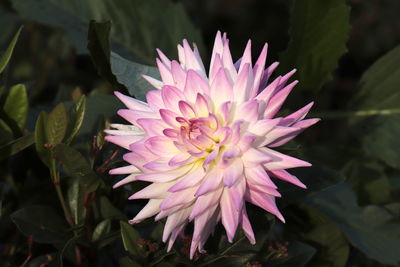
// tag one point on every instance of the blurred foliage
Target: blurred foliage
(57, 73)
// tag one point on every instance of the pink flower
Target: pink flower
(205, 143)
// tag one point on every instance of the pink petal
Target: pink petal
(123, 140)
(154, 99)
(171, 97)
(265, 202)
(155, 191)
(221, 88)
(165, 73)
(296, 116)
(243, 84)
(124, 170)
(133, 115)
(212, 181)
(164, 177)
(151, 126)
(126, 180)
(195, 84)
(178, 74)
(152, 208)
(229, 215)
(246, 58)
(132, 103)
(253, 157)
(285, 176)
(164, 58)
(175, 220)
(246, 226)
(277, 100)
(193, 178)
(259, 71)
(205, 202)
(282, 161)
(154, 82)
(186, 109)
(258, 175)
(233, 173)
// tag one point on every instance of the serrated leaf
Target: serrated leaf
(16, 146)
(43, 223)
(371, 229)
(129, 238)
(122, 73)
(378, 90)
(77, 166)
(76, 198)
(41, 139)
(16, 105)
(136, 34)
(5, 58)
(319, 32)
(76, 116)
(101, 230)
(57, 124)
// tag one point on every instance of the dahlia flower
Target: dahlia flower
(205, 142)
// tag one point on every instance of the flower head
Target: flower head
(205, 142)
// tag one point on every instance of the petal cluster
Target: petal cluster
(205, 141)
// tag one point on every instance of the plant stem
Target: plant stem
(222, 255)
(359, 113)
(55, 177)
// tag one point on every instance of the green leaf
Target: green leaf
(371, 229)
(76, 116)
(333, 249)
(101, 230)
(130, 74)
(16, 105)
(43, 223)
(129, 238)
(5, 58)
(140, 25)
(76, 199)
(122, 73)
(378, 89)
(77, 166)
(108, 211)
(98, 107)
(319, 32)
(57, 124)
(41, 139)
(16, 146)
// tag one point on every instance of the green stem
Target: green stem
(222, 255)
(55, 177)
(359, 113)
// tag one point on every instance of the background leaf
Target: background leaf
(379, 89)
(125, 75)
(57, 123)
(16, 105)
(41, 139)
(76, 116)
(43, 223)
(5, 58)
(371, 229)
(136, 34)
(77, 166)
(319, 32)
